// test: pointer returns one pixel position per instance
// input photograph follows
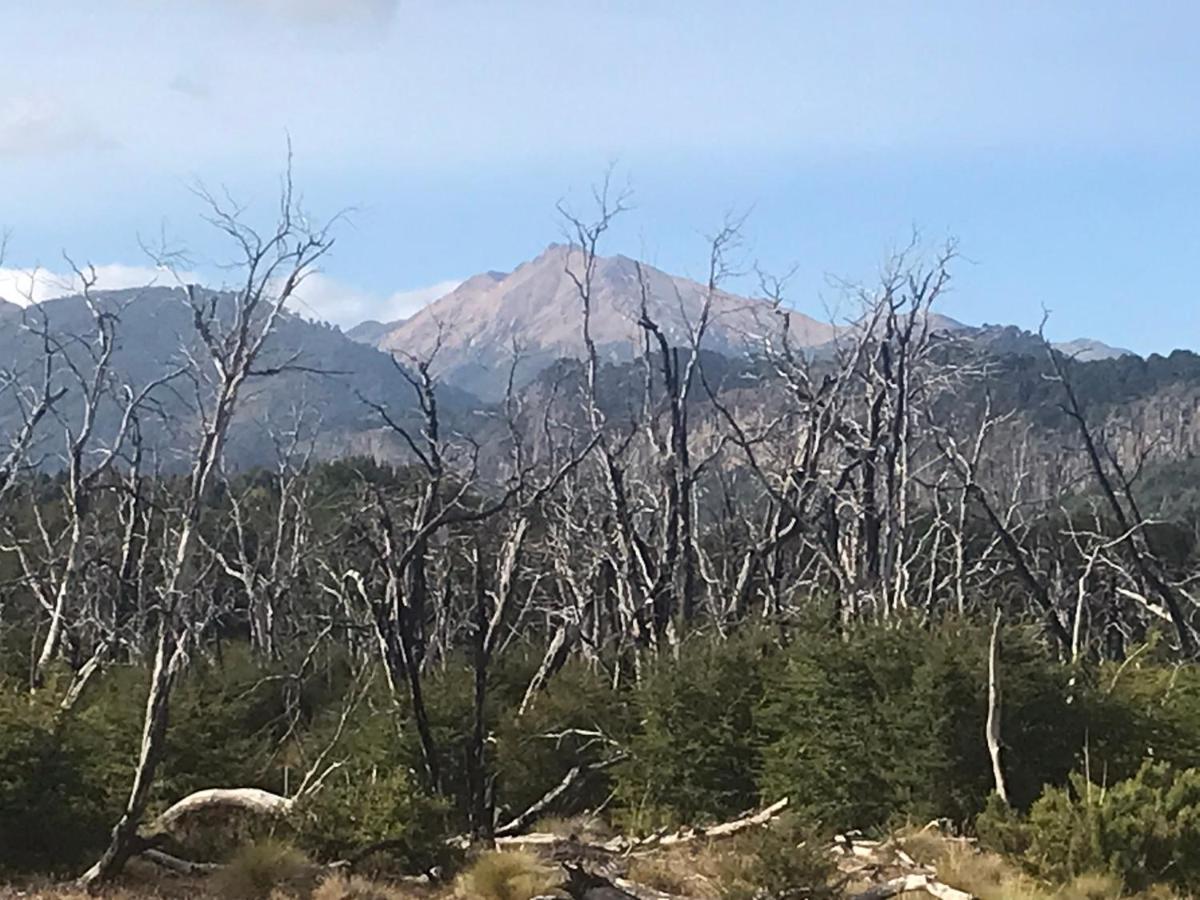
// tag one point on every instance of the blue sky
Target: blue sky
(1057, 141)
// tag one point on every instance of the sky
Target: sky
(1056, 142)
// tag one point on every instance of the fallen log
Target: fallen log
(180, 866)
(252, 800)
(641, 891)
(724, 830)
(544, 841)
(911, 883)
(520, 822)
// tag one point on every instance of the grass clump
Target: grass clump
(355, 887)
(258, 870)
(677, 873)
(506, 875)
(988, 875)
(778, 862)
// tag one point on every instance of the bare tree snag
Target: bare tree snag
(994, 743)
(233, 329)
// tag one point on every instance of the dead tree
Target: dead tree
(994, 743)
(675, 592)
(635, 584)
(398, 602)
(1117, 491)
(268, 573)
(233, 329)
(87, 368)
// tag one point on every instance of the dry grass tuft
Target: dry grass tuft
(355, 887)
(991, 877)
(140, 881)
(1092, 887)
(264, 868)
(683, 872)
(332, 887)
(986, 875)
(781, 860)
(500, 875)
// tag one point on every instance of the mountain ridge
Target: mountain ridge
(537, 308)
(322, 393)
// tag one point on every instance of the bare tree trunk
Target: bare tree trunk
(275, 267)
(123, 842)
(480, 826)
(994, 743)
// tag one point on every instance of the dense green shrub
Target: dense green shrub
(375, 796)
(858, 728)
(1144, 830)
(828, 741)
(1145, 709)
(889, 723)
(572, 721)
(364, 808)
(64, 778)
(225, 722)
(695, 755)
(51, 814)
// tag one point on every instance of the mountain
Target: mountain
(1088, 350)
(537, 307)
(370, 331)
(319, 395)
(327, 375)
(1004, 340)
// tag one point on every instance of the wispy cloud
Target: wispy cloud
(42, 125)
(25, 286)
(190, 86)
(330, 300)
(319, 297)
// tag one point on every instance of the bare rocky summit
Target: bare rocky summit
(537, 308)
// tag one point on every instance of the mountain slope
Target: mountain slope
(537, 307)
(319, 395)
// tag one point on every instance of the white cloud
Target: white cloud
(21, 286)
(404, 303)
(319, 296)
(327, 298)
